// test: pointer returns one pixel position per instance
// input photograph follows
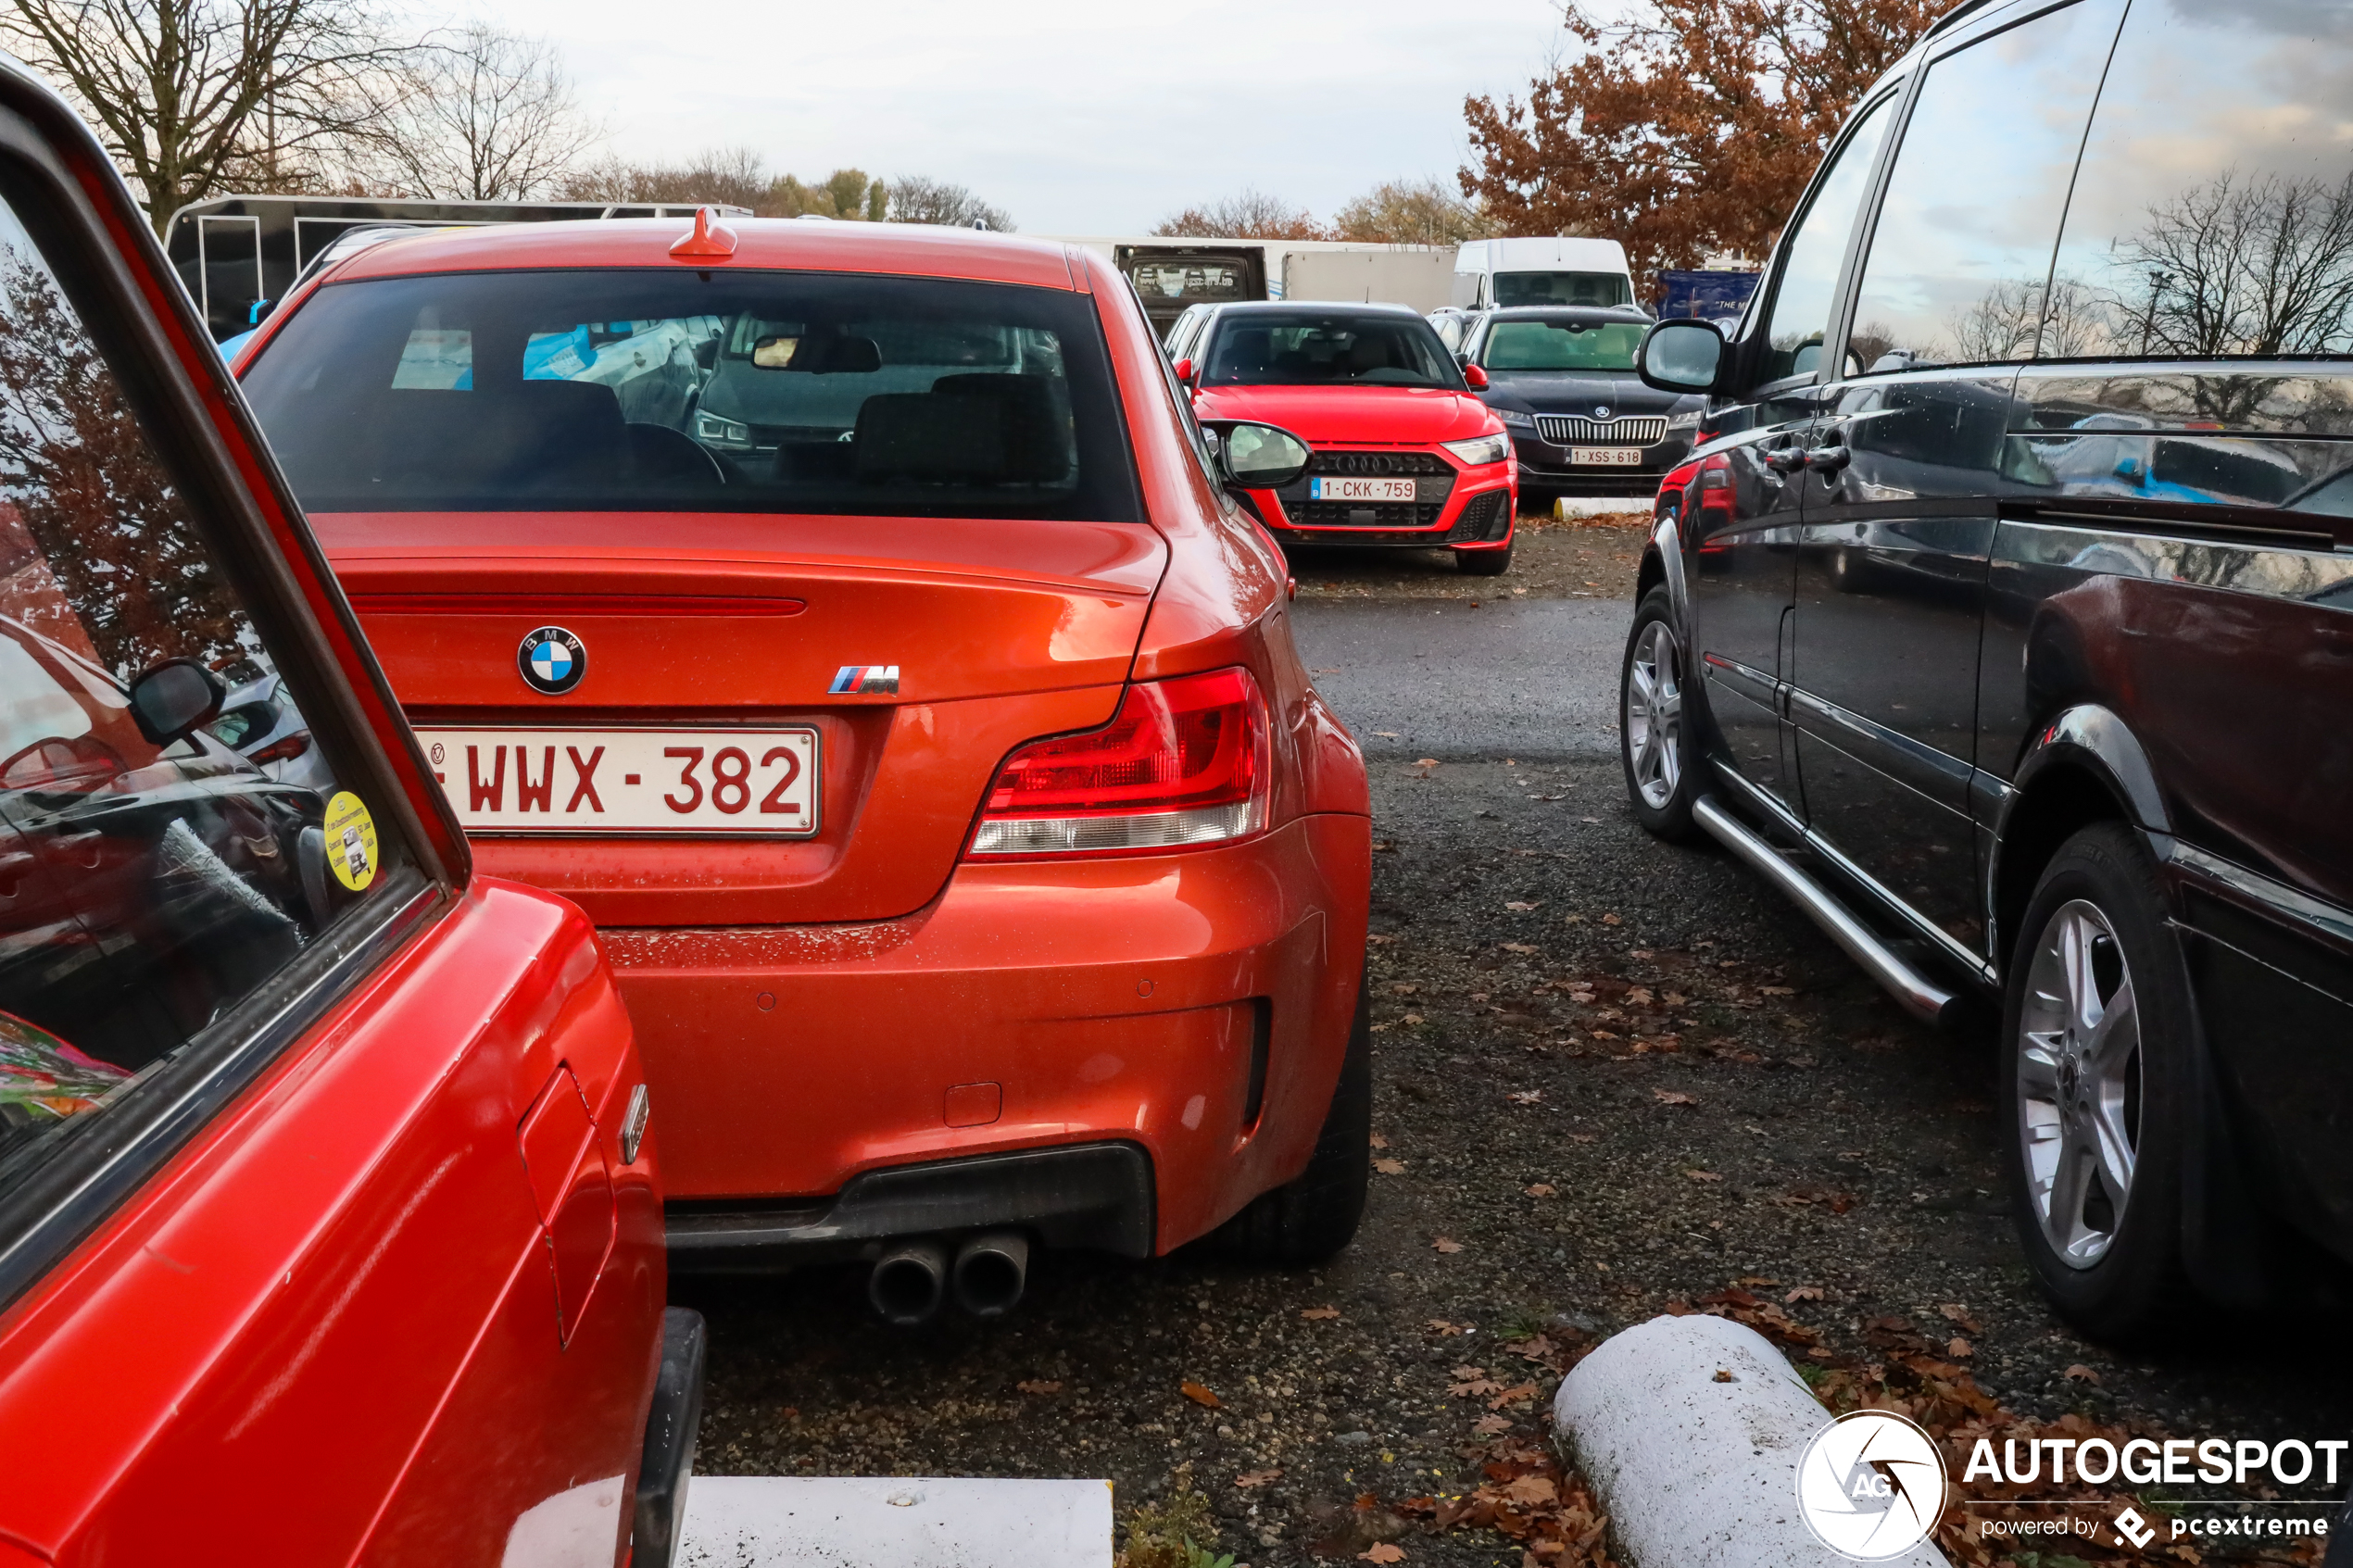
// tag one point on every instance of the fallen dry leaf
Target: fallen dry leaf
(1518, 1393)
(1959, 1348)
(1390, 1167)
(1517, 948)
(1960, 1316)
(1532, 1489)
(1803, 1293)
(1672, 1096)
(1777, 991)
(1470, 1371)
(1320, 1314)
(1425, 761)
(1722, 1375)
(1444, 1329)
(1528, 1096)
(1705, 1175)
(1446, 1243)
(1404, 988)
(1380, 1141)
(1382, 1551)
(1541, 1189)
(1039, 1386)
(1637, 997)
(1520, 906)
(1199, 1396)
(2082, 1374)
(1612, 919)
(1249, 1478)
(1491, 1424)
(1475, 1385)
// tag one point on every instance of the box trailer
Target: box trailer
(1419, 276)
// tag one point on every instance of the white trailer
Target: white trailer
(1419, 276)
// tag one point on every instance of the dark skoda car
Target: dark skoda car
(1562, 379)
(2008, 629)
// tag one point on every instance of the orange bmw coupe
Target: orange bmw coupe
(854, 622)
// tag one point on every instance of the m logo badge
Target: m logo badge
(865, 680)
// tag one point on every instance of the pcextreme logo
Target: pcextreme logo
(1871, 1486)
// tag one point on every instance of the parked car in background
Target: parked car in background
(314, 1145)
(1452, 324)
(853, 620)
(259, 721)
(1405, 454)
(1583, 423)
(2006, 631)
(1490, 274)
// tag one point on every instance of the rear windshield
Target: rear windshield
(696, 391)
(1562, 345)
(1325, 348)
(1562, 288)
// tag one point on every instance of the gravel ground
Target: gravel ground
(1610, 1075)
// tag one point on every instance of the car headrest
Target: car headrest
(962, 435)
(533, 434)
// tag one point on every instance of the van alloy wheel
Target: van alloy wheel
(1655, 715)
(2079, 1082)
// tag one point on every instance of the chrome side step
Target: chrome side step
(1919, 996)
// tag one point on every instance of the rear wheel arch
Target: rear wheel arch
(2085, 765)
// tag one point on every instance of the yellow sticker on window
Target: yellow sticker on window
(351, 841)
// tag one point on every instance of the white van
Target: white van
(1491, 274)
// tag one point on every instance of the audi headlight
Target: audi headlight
(1485, 449)
(1514, 417)
(713, 431)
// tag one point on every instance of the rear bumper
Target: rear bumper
(1193, 1006)
(1095, 1195)
(671, 1429)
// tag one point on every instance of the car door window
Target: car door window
(1960, 252)
(153, 874)
(1804, 290)
(2204, 226)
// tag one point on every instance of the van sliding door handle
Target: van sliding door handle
(1828, 459)
(1786, 460)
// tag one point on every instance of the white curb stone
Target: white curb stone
(1694, 1472)
(1598, 506)
(883, 1521)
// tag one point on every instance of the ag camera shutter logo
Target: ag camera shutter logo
(1871, 1486)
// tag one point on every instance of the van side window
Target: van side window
(1961, 251)
(2202, 225)
(1810, 261)
(171, 837)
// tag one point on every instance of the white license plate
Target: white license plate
(699, 782)
(1607, 457)
(1322, 488)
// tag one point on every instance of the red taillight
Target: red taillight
(284, 750)
(1716, 484)
(1183, 762)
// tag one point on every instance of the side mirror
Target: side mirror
(1681, 354)
(1475, 378)
(169, 699)
(1257, 456)
(1184, 369)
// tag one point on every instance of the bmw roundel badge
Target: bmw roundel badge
(552, 660)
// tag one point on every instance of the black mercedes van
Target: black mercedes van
(2003, 615)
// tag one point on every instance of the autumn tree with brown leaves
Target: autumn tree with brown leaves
(1690, 127)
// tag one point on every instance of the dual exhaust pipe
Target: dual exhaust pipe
(914, 1278)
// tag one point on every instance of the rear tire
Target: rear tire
(1655, 722)
(1483, 563)
(1310, 1219)
(2098, 1079)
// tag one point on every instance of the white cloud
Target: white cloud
(1076, 115)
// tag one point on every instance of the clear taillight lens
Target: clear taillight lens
(1183, 762)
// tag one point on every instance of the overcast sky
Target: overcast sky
(1075, 115)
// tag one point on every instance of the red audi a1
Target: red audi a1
(1405, 454)
(329, 1224)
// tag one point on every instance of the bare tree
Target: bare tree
(733, 176)
(183, 90)
(2257, 268)
(486, 115)
(1411, 212)
(914, 199)
(1252, 215)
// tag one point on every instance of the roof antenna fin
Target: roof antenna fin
(708, 239)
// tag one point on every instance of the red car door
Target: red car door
(330, 1231)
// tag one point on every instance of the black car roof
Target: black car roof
(1569, 313)
(1379, 307)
